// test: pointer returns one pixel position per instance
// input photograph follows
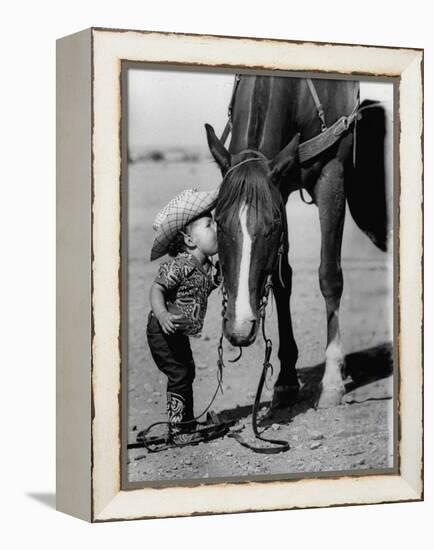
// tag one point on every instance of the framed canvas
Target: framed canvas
(315, 405)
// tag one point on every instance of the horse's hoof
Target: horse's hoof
(284, 396)
(331, 397)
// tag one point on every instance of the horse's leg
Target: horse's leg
(330, 199)
(286, 387)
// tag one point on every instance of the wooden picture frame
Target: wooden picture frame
(89, 314)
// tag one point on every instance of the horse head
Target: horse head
(251, 228)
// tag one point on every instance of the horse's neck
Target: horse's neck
(262, 114)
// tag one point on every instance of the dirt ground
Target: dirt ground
(356, 436)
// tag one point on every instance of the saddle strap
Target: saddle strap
(318, 104)
(313, 147)
(228, 128)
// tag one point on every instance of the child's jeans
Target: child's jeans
(172, 355)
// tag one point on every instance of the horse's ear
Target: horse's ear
(218, 150)
(283, 161)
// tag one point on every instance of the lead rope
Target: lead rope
(302, 197)
(281, 446)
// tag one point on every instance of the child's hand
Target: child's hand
(168, 321)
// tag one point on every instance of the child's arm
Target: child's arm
(158, 305)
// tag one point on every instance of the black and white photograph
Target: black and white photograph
(258, 275)
(218, 255)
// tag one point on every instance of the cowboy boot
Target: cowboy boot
(175, 409)
(188, 416)
(180, 410)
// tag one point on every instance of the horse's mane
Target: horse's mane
(248, 183)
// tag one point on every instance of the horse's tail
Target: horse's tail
(365, 183)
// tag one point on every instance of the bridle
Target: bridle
(261, 157)
(279, 445)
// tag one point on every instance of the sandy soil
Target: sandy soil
(355, 436)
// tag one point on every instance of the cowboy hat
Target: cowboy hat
(180, 211)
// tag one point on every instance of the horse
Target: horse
(271, 117)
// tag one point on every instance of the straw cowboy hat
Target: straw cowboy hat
(180, 211)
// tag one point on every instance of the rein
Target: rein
(280, 445)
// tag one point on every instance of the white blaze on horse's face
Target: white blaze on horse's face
(244, 316)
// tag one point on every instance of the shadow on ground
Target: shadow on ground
(362, 368)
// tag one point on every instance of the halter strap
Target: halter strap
(260, 157)
(240, 164)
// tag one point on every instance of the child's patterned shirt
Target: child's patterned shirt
(187, 284)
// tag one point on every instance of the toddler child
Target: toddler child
(179, 294)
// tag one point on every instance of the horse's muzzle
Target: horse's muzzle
(241, 335)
